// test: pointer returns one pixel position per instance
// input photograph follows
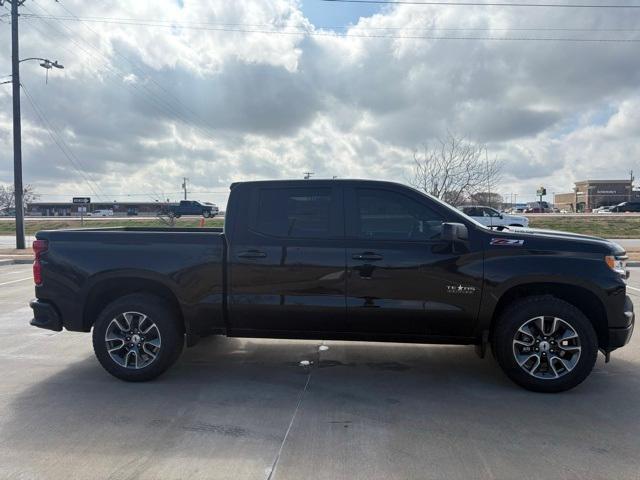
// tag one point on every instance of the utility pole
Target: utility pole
(17, 127)
(631, 185)
(184, 186)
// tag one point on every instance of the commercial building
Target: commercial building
(590, 194)
(69, 209)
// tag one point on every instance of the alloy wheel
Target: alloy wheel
(133, 340)
(547, 347)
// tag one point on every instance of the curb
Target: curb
(20, 261)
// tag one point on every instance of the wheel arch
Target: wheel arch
(105, 291)
(580, 297)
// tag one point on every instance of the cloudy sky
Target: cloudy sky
(220, 91)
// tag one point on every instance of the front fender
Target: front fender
(588, 272)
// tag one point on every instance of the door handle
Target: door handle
(367, 256)
(251, 254)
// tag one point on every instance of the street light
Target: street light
(17, 128)
(46, 64)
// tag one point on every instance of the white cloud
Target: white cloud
(140, 107)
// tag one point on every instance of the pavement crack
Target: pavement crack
(309, 365)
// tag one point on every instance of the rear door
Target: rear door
(287, 260)
(402, 279)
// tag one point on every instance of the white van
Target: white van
(102, 213)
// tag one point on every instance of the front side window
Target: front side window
(471, 211)
(294, 212)
(387, 215)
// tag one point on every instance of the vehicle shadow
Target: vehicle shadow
(231, 401)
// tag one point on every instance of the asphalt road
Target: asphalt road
(234, 409)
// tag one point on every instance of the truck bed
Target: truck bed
(88, 267)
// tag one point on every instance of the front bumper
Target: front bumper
(618, 337)
(45, 315)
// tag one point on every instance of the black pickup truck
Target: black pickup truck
(338, 259)
(192, 207)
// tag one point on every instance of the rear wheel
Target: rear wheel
(137, 337)
(545, 344)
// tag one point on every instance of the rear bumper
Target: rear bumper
(619, 337)
(45, 315)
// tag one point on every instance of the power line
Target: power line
(304, 29)
(410, 37)
(140, 67)
(150, 96)
(488, 4)
(59, 141)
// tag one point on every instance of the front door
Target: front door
(287, 262)
(402, 279)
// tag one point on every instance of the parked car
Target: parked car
(537, 207)
(193, 207)
(493, 218)
(602, 210)
(102, 213)
(626, 207)
(338, 259)
(8, 212)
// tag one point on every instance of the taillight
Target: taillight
(39, 247)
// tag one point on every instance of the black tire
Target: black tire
(522, 311)
(206, 213)
(165, 319)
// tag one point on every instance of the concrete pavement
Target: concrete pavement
(235, 408)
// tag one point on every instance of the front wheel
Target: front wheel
(545, 344)
(137, 337)
(206, 214)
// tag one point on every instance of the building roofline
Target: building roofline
(603, 181)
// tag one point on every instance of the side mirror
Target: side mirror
(501, 216)
(454, 231)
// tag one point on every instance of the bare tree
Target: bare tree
(491, 199)
(455, 169)
(8, 196)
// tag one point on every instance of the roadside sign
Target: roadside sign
(83, 200)
(541, 191)
(82, 209)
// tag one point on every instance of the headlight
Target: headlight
(617, 264)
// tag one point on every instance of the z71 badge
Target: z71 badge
(507, 242)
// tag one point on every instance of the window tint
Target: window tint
(471, 211)
(387, 215)
(294, 212)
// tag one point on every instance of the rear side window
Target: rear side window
(294, 212)
(387, 215)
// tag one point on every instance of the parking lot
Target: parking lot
(246, 409)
